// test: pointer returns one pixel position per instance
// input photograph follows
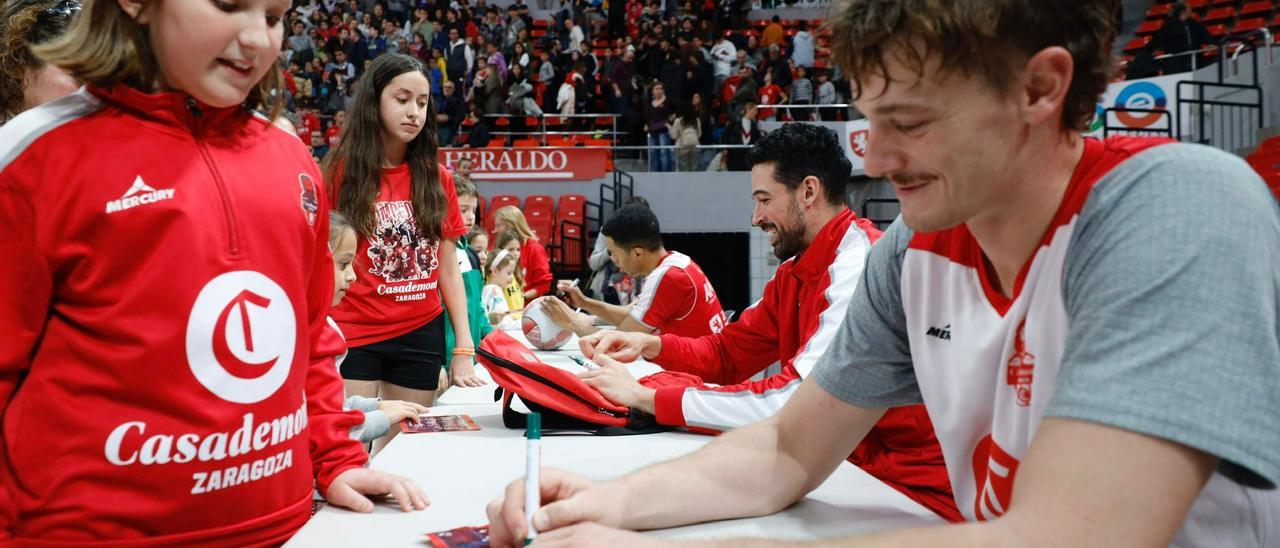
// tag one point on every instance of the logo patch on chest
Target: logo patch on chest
(1021, 367)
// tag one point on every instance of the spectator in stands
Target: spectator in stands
(492, 29)
(801, 94)
(770, 94)
(678, 300)
(520, 57)
(752, 53)
(520, 95)
(26, 81)
(459, 58)
(743, 131)
(1181, 34)
(514, 25)
(724, 58)
(486, 89)
(440, 39)
(746, 91)
(576, 36)
(687, 133)
(710, 133)
(566, 96)
(450, 114)
(341, 68)
(535, 266)
(478, 135)
(550, 86)
(657, 114)
(773, 34)
(422, 26)
(622, 78)
(827, 96)
(300, 42)
(696, 78)
(802, 45)
(333, 135)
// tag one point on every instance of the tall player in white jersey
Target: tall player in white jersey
(1102, 367)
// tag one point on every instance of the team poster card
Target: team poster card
(440, 423)
(462, 537)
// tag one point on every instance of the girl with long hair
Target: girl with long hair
(385, 177)
(164, 323)
(534, 262)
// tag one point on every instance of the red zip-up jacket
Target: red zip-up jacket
(793, 323)
(165, 370)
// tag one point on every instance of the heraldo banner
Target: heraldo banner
(531, 164)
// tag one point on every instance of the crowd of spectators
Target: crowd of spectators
(674, 74)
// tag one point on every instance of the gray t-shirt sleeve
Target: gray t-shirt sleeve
(1172, 288)
(869, 362)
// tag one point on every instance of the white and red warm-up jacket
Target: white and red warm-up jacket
(794, 323)
(166, 371)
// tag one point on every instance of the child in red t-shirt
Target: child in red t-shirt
(402, 203)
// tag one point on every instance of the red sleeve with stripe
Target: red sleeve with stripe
(730, 356)
(673, 297)
(332, 449)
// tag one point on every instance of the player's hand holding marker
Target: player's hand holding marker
(572, 507)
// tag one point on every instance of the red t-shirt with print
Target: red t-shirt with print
(397, 269)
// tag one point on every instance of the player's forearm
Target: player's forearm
(738, 474)
(612, 313)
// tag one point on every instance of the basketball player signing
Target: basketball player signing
(541, 332)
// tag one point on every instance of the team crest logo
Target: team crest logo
(1021, 367)
(858, 142)
(310, 198)
(240, 336)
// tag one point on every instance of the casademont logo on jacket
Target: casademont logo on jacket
(139, 194)
(240, 341)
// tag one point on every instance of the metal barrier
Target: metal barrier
(1226, 116)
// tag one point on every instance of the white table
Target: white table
(462, 471)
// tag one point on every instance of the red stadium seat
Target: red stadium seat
(1255, 9)
(1246, 25)
(498, 142)
(503, 200)
(571, 240)
(1150, 27)
(526, 143)
(1137, 44)
(1159, 11)
(576, 203)
(1218, 15)
(539, 202)
(541, 227)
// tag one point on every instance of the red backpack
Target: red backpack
(565, 401)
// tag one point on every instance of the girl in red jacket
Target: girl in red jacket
(166, 371)
(386, 179)
(534, 262)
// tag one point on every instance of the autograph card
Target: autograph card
(440, 423)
